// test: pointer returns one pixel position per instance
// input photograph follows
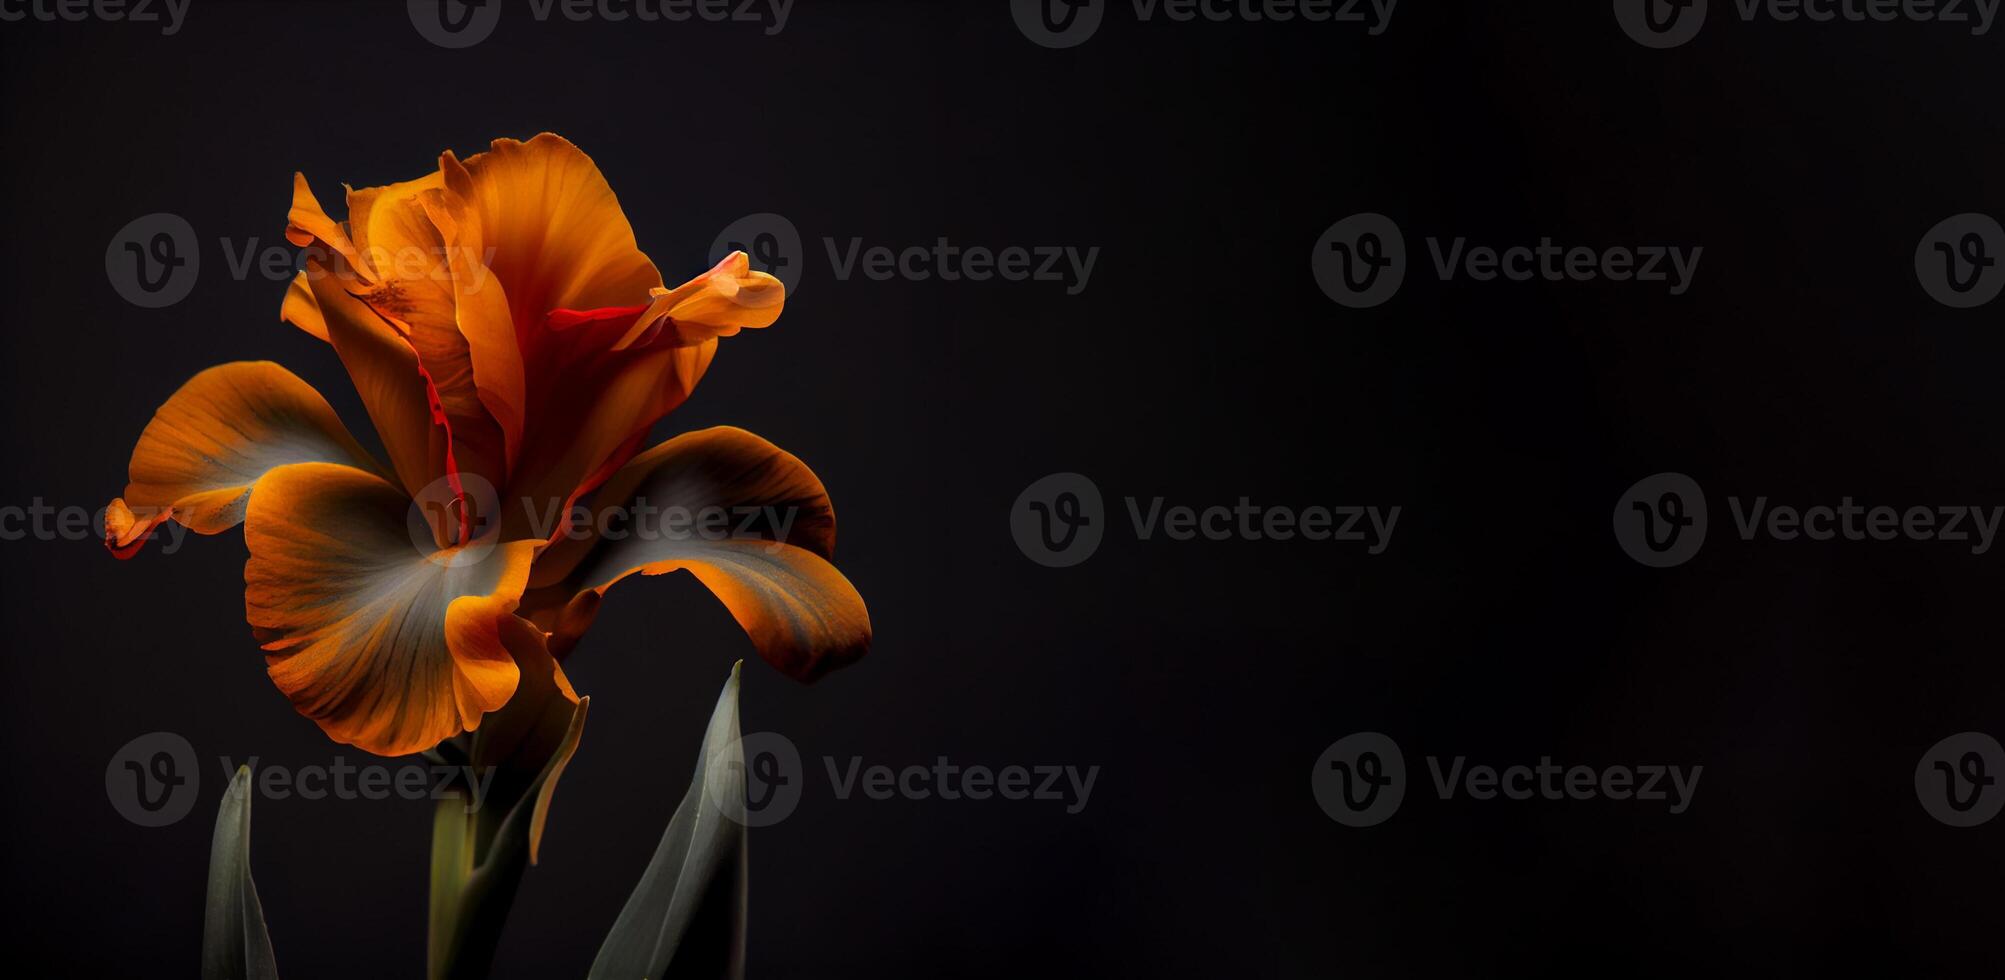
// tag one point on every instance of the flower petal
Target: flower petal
(381, 360)
(717, 303)
(308, 222)
(581, 433)
(480, 304)
(213, 439)
(391, 279)
(769, 566)
(559, 238)
(417, 293)
(387, 647)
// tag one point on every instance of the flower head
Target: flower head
(513, 347)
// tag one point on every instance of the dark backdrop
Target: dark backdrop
(1202, 364)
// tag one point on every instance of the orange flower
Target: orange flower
(513, 347)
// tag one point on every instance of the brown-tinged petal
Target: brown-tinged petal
(387, 646)
(205, 448)
(773, 574)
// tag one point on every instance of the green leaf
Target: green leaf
(686, 918)
(235, 945)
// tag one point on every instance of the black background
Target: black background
(1201, 364)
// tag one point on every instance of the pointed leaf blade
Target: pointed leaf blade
(235, 944)
(686, 918)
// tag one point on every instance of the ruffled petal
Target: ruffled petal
(768, 563)
(381, 360)
(718, 303)
(387, 645)
(197, 461)
(392, 277)
(558, 235)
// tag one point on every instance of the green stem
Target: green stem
(470, 900)
(485, 832)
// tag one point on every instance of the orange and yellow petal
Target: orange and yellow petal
(206, 447)
(481, 308)
(718, 303)
(300, 308)
(386, 644)
(308, 224)
(387, 280)
(388, 376)
(802, 615)
(580, 435)
(559, 239)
